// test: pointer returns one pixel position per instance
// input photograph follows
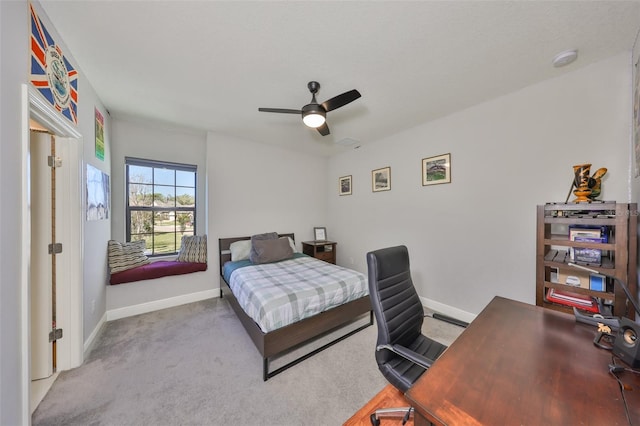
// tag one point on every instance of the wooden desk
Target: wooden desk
(519, 364)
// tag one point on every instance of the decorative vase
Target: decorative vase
(581, 181)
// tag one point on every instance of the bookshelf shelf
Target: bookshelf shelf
(618, 254)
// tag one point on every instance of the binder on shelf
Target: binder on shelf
(568, 298)
(597, 282)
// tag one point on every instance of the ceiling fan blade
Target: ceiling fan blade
(340, 100)
(281, 110)
(324, 129)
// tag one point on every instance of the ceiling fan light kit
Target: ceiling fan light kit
(314, 114)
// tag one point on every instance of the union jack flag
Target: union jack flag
(51, 73)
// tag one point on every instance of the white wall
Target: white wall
(635, 101)
(96, 232)
(15, 71)
(13, 26)
(475, 238)
(255, 188)
(155, 141)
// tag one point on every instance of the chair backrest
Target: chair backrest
(395, 302)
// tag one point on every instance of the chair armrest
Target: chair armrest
(406, 353)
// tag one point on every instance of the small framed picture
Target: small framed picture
(436, 170)
(381, 179)
(344, 185)
(320, 233)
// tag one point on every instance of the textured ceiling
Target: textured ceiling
(209, 65)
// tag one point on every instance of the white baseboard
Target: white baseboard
(88, 344)
(156, 305)
(448, 310)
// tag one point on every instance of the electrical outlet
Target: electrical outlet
(351, 260)
(93, 306)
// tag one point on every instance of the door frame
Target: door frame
(70, 349)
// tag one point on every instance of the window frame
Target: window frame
(156, 164)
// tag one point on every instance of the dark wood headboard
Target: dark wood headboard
(225, 243)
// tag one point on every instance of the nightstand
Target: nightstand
(323, 250)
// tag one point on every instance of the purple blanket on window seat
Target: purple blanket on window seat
(157, 269)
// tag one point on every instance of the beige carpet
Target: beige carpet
(195, 365)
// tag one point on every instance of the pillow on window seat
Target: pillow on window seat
(123, 256)
(193, 248)
(162, 268)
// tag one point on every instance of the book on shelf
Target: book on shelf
(587, 255)
(585, 233)
(568, 298)
(590, 231)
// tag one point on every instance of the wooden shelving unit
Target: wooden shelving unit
(552, 245)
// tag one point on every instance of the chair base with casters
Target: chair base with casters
(404, 413)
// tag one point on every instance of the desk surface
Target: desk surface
(519, 364)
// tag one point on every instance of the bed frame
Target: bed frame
(279, 341)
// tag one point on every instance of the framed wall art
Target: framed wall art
(99, 135)
(344, 185)
(636, 120)
(381, 179)
(436, 170)
(97, 194)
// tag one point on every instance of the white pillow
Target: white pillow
(292, 244)
(240, 250)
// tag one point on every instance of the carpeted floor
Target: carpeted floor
(195, 365)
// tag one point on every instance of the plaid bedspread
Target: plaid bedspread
(281, 293)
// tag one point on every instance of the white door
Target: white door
(68, 294)
(41, 270)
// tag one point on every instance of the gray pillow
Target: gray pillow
(260, 237)
(268, 251)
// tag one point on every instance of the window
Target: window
(161, 203)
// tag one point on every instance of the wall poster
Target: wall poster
(51, 73)
(97, 194)
(636, 119)
(99, 135)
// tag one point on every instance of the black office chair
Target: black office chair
(403, 353)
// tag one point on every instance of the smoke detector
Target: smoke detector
(565, 58)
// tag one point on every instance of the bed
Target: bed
(275, 339)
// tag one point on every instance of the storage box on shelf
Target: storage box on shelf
(616, 257)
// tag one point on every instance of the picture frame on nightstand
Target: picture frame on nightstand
(320, 233)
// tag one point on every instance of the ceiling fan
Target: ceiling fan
(314, 114)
